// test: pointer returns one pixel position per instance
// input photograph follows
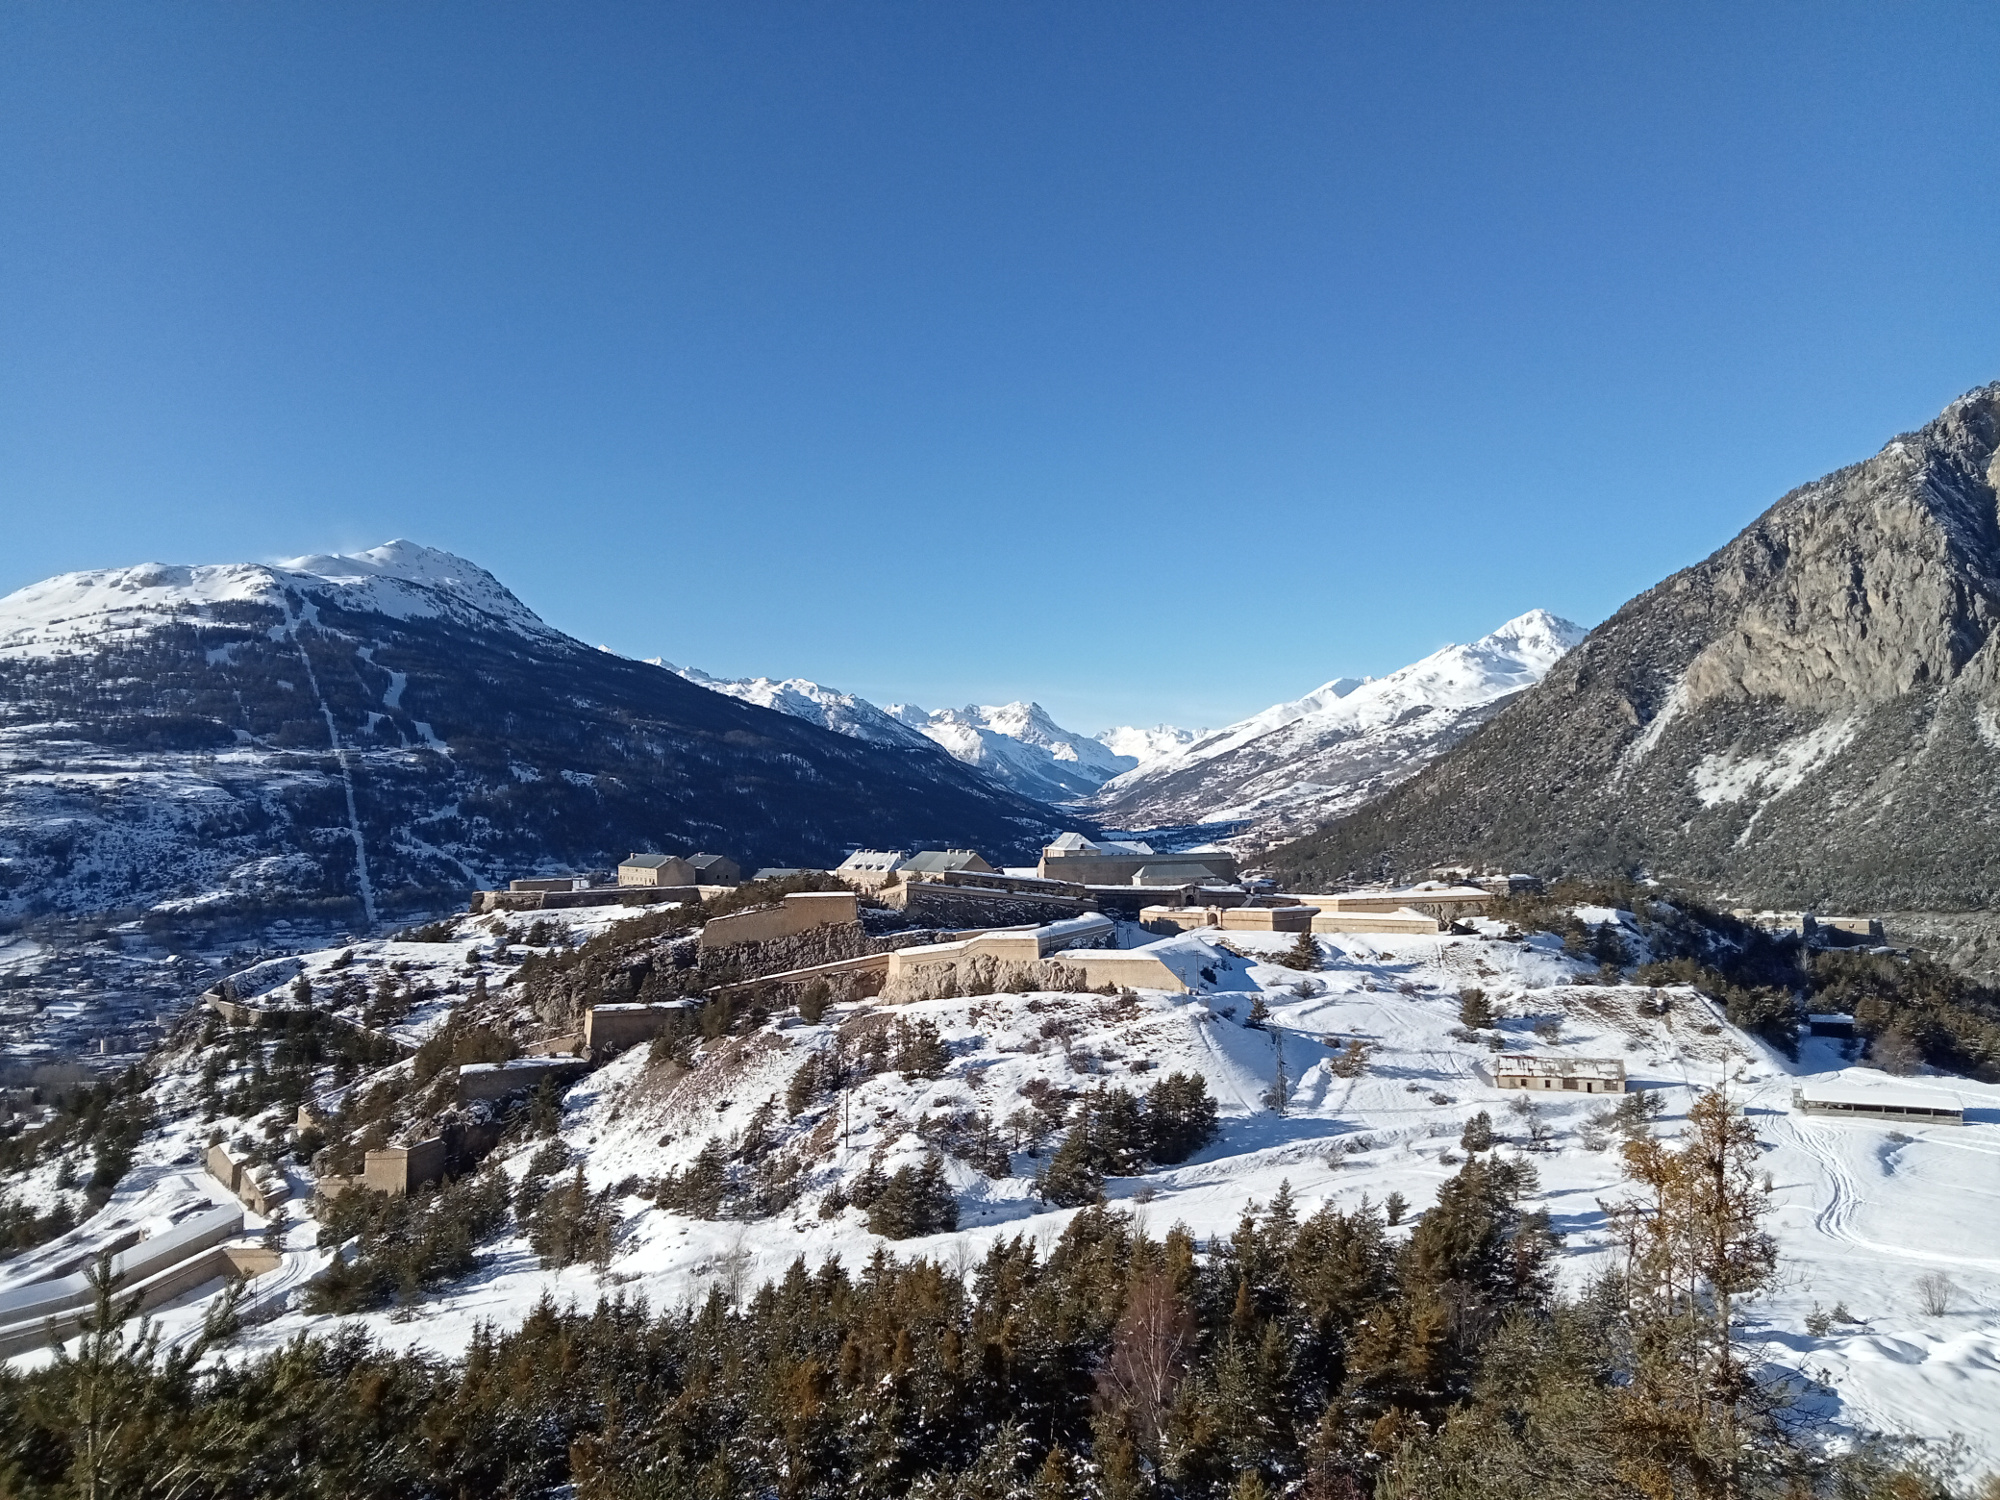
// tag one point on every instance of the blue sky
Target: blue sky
(1155, 361)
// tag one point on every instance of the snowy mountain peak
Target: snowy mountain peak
(1147, 746)
(399, 579)
(1347, 740)
(1536, 634)
(1021, 746)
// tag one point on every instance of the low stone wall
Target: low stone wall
(1228, 919)
(979, 974)
(241, 1261)
(1126, 969)
(554, 1046)
(801, 911)
(1407, 923)
(608, 1029)
(497, 1080)
(599, 895)
(971, 906)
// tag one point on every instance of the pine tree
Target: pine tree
(1352, 1061)
(1475, 1011)
(1478, 1133)
(1303, 955)
(1180, 1117)
(1070, 1179)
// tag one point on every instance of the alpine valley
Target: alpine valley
(784, 1188)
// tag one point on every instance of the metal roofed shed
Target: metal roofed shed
(1841, 1097)
(1581, 1075)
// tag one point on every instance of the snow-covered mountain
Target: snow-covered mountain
(354, 737)
(1809, 717)
(1017, 746)
(1147, 746)
(399, 580)
(1343, 743)
(843, 713)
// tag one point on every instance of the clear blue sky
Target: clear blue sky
(1156, 361)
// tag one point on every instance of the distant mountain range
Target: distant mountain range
(1288, 767)
(1016, 745)
(1809, 717)
(1348, 740)
(355, 736)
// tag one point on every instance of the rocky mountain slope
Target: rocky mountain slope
(1348, 740)
(358, 736)
(1811, 716)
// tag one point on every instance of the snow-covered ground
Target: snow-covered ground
(1861, 1209)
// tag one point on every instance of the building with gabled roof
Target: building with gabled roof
(869, 869)
(715, 869)
(944, 862)
(655, 869)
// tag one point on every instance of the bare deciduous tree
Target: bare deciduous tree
(1934, 1293)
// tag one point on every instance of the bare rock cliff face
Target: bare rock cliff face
(1811, 716)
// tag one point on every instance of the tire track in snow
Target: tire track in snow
(1836, 1219)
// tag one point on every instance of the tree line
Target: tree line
(1325, 1355)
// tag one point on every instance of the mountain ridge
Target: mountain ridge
(1810, 716)
(1344, 742)
(353, 736)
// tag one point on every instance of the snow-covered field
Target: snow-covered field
(1861, 1209)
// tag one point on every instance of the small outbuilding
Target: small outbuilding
(1841, 1099)
(1582, 1075)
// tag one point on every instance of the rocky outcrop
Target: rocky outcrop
(1811, 716)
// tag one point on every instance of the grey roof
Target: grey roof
(936, 861)
(703, 861)
(874, 859)
(1172, 872)
(649, 861)
(778, 872)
